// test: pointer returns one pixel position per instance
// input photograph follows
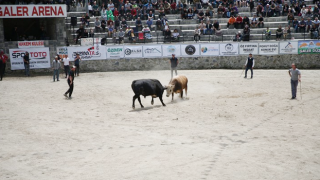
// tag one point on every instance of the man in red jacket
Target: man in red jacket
(3, 63)
(238, 23)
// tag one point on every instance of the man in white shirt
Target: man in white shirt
(66, 63)
(316, 22)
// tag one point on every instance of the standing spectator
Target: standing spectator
(238, 23)
(231, 21)
(56, 68)
(97, 25)
(26, 61)
(66, 64)
(70, 82)
(77, 60)
(174, 63)
(295, 75)
(279, 33)
(249, 65)
(196, 35)
(3, 63)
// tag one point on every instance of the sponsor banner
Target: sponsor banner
(309, 47)
(209, 49)
(229, 49)
(152, 51)
(39, 58)
(269, 48)
(62, 51)
(33, 11)
(288, 47)
(168, 50)
(30, 44)
(247, 48)
(89, 41)
(87, 52)
(190, 50)
(133, 51)
(114, 52)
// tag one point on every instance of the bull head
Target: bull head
(169, 89)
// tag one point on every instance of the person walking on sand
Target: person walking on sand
(295, 75)
(77, 63)
(66, 64)
(70, 81)
(56, 68)
(249, 65)
(174, 63)
(26, 61)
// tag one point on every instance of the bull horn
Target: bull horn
(165, 87)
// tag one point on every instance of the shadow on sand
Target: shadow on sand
(145, 108)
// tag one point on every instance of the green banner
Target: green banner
(309, 47)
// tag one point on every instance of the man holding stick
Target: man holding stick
(295, 75)
(249, 65)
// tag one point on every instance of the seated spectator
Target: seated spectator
(87, 20)
(303, 12)
(164, 21)
(216, 26)
(195, 12)
(184, 14)
(287, 31)
(285, 9)
(302, 25)
(133, 14)
(316, 22)
(110, 29)
(149, 23)
(211, 10)
(161, 12)
(128, 14)
(91, 33)
(197, 4)
(123, 24)
(267, 11)
(272, 9)
(150, 15)
(116, 23)
(314, 32)
(97, 25)
(260, 22)
(200, 15)
(167, 35)
(111, 6)
(207, 15)
(179, 7)
(238, 23)
(114, 36)
(268, 34)
(190, 13)
(103, 25)
(308, 24)
(154, 3)
(146, 29)
(144, 14)
(234, 10)
(246, 33)
(196, 36)
(204, 3)
(175, 35)
(83, 20)
(295, 25)
(238, 36)
(121, 36)
(277, 10)
(209, 28)
(231, 21)
(85, 34)
(259, 9)
(167, 7)
(166, 26)
(202, 27)
(95, 9)
(90, 9)
(80, 33)
(158, 25)
(279, 33)
(109, 22)
(104, 15)
(254, 22)
(297, 10)
(316, 11)
(130, 34)
(110, 14)
(139, 24)
(173, 7)
(122, 12)
(290, 18)
(115, 12)
(251, 5)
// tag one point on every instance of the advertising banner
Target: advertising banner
(87, 52)
(39, 58)
(33, 11)
(247, 48)
(190, 50)
(288, 47)
(152, 51)
(228, 49)
(62, 51)
(30, 44)
(209, 49)
(133, 51)
(168, 50)
(268, 48)
(89, 41)
(114, 52)
(309, 47)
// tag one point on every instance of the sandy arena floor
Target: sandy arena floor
(229, 128)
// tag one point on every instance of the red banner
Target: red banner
(33, 11)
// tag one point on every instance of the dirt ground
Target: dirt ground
(229, 128)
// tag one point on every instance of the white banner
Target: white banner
(114, 52)
(209, 49)
(87, 52)
(268, 48)
(89, 41)
(33, 11)
(190, 50)
(288, 47)
(30, 44)
(39, 58)
(152, 51)
(229, 49)
(62, 51)
(247, 48)
(168, 50)
(133, 51)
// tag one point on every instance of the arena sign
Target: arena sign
(309, 47)
(190, 50)
(114, 52)
(268, 48)
(288, 47)
(168, 50)
(209, 49)
(87, 52)
(90, 41)
(133, 51)
(33, 11)
(39, 58)
(152, 51)
(30, 44)
(228, 49)
(247, 48)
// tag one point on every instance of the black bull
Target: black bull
(147, 87)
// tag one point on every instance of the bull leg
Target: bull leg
(140, 102)
(186, 89)
(133, 100)
(160, 97)
(152, 101)
(172, 96)
(181, 94)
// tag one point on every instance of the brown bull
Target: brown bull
(176, 85)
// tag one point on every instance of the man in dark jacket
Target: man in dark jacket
(174, 63)
(249, 65)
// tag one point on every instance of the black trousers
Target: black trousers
(1, 69)
(77, 69)
(70, 90)
(250, 70)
